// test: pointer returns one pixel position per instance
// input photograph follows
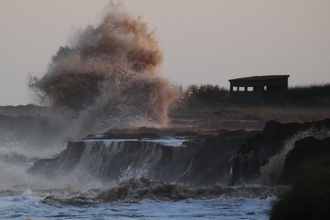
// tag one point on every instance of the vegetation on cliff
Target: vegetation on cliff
(211, 102)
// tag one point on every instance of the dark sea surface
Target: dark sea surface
(31, 207)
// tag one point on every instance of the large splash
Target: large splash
(108, 76)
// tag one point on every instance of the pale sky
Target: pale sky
(204, 41)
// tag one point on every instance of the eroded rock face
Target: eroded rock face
(198, 160)
(212, 162)
(256, 151)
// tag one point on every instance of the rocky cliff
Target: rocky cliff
(263, 156)
(197, 160)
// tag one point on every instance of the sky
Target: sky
(203, 41)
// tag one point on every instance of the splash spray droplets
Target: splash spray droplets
(109, 74)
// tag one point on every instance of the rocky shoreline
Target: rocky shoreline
(227, 155)
(256, 152)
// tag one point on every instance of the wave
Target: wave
(108, 77)
(135, 190)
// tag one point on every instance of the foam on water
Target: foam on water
(165, 141)
(168, 141)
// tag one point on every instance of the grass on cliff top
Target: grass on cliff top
(209, 102)
(282, 114)
(309, 197)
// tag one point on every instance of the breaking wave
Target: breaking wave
(108, 76)
(137, 189)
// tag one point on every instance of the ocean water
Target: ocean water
(29, 196)
(31, 207)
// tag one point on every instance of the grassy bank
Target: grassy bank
(282, 114)
(208, 102)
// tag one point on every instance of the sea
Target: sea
(26, 196)
(27, 206)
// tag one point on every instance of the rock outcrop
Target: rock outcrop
(305, 150)
(257, 151)
(196, 160)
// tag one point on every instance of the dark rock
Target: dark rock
(305, 150)
(200, 161)
(64, 162)
(124, 135)
(256, 151)
(212, 162)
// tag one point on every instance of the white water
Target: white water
(165, 141)
(31, 207)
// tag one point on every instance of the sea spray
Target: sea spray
(108, 76)
(132, 172)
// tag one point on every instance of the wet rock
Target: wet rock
(200, 160)
(255, 152)
(212, 162)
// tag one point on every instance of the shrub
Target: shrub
(312, 95)
(205, 95)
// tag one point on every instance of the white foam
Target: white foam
(165, 141)
(171, 142)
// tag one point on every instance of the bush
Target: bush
(206, 95)
(309, 197)
(312, 95)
